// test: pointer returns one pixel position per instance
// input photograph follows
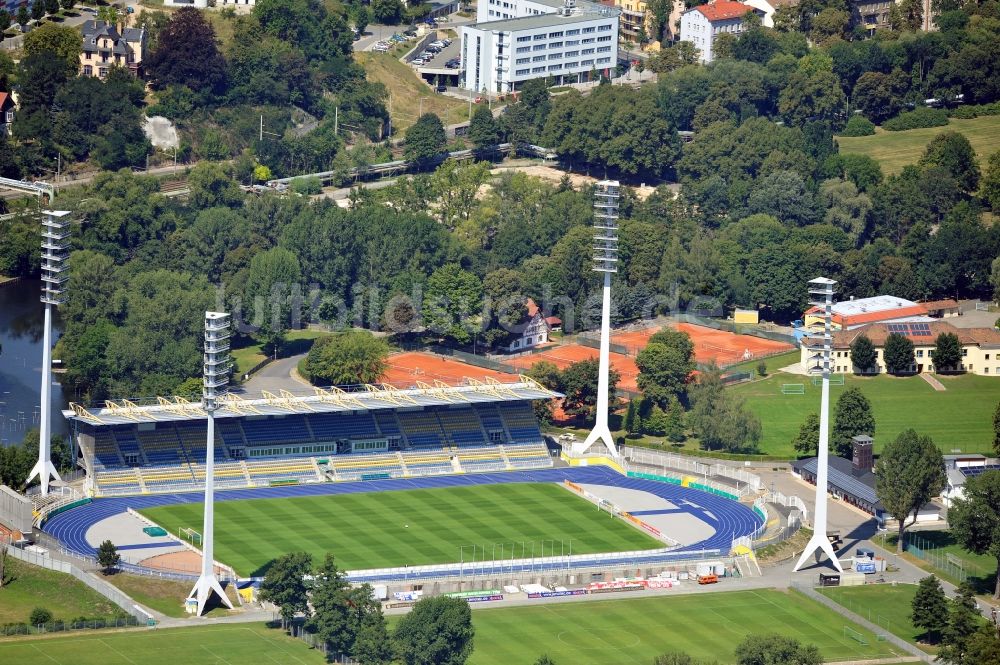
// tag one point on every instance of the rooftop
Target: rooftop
(330, 400)
(870, 310)
(585, 11)
(920, 333)
(841, 477)
(723, 10)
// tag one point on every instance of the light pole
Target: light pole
(55, 251)
(821, 292)
(214, 381)
(606, 262)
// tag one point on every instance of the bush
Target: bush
(859, 126)
(39, 615)
(309, 185)
(917, 119)
(975, 110)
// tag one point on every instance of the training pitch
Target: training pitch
(624, 631)
(211, 645)
(408, 527)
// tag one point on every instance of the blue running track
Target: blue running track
(730, 519)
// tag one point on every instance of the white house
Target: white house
(514, 41)
(536, 329)
(203, 4)
(700, 25)
(769, 7)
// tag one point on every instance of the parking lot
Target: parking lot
(440, 59)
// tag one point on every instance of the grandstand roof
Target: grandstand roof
(322, 400)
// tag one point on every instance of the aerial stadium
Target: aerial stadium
(430, 480)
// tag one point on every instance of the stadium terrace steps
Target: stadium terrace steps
(298, 469)
(121, 481)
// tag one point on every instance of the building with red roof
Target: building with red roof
(702, 24)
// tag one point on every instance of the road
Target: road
(277, 375)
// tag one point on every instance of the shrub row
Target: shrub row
(917, 119)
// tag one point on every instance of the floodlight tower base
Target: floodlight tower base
(819, 543)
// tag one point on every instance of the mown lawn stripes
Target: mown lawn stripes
(405, 527)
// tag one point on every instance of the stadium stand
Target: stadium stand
(336, 436)
(528, 456)
(462, 427)
(366, 466)
(422, 431)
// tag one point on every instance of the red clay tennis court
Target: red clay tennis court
(726, 348)
(565, 355)
(405, 369)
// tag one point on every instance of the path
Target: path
(277, 375)
(934, 383)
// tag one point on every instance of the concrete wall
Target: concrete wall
(15, 510)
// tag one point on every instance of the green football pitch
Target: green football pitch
(623, 631)
(245, 644)
(959, 417)
(627, 631)
(408, 527)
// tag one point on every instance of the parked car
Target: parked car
(417, 61)
(442, 88)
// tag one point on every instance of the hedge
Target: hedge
(917, 119)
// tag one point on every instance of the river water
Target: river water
(21, 318)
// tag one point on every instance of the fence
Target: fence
(739, 329)
(935, 556)
(100, 586)
(682, 463)
(880, 632)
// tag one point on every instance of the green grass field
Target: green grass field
(885, 606)
(246, 644)
(980, 569)
(894, 150)
(27, 587)
(626, 631)
(411, 527)
(960, 417)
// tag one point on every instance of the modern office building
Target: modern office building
(515, 41)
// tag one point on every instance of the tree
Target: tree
(22, 15)
(387, 12)
(50, 38)
(545, 660)
(437, 631)
(975, 518)
(665, 365)
(806, 443)
(5, 20)
(51, 7)
(68, 5)
(453, 303)
(372, 646)
(187, 55)
(898, 354)
(864, 358)
(776, 649)
(425, 139)
(852, 416)
(984, 647)
(484, 130)
(579, 385)
(285, 585)
(990, 186)
(963, 620)
(996, 429)
(909, 473)
(331, 619)
(952, 151)
(929, 609)
(108, 556)
(212, 185)
(38, 10)
(720, 419)
(947, 353)
(271, 276)
(348, 358)
(631, 424)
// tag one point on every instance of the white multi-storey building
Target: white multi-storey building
(701, 24)
(515, 41)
